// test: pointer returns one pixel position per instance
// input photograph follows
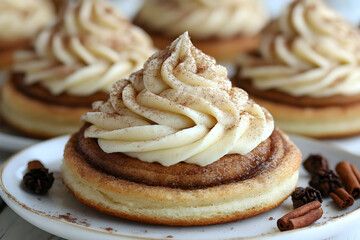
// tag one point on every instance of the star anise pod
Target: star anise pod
(302, 196)
(38, 179)
(326, 182)
(316, 163)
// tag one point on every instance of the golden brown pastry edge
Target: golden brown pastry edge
(75, 163)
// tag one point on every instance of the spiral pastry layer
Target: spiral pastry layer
(182, 194)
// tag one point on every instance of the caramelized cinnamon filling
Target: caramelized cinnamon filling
(37, 92)
(304, 101)
(230, 168)
(7, 45)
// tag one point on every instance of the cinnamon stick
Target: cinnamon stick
(300, 217)
(342, 198)
(35, 164)
(38, 179)
(350, 178)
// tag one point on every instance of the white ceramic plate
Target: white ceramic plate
(350, 144)
(61, 214)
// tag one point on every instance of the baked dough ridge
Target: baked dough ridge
(183, 207)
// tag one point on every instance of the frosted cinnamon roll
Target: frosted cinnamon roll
(177, 131)
(20, 21)
(307, 71)
(72, 64)
(219, 28)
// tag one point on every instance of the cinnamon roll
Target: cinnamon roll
(307, 71)
(72, 64)
(176, 144)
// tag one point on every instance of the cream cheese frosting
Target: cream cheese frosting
(203, 18)
(180, 107)
(309, 50)
(89, 49)
(23, 19)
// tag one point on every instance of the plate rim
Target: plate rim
(18, 205)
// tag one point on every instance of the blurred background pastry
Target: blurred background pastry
(70, 65)
(182, 147)
(219, 28)
(20, 21)
(307, 71)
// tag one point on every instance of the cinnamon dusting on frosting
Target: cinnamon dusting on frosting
(169, 111)
(308, 51)
(90, 47)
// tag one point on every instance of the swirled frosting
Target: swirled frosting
(203, 18)
(309, 50)
(179, 107)
(89, 49)
(22, 19)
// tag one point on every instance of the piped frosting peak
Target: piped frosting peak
(179, 107)
(309, 50)
(90, 48)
